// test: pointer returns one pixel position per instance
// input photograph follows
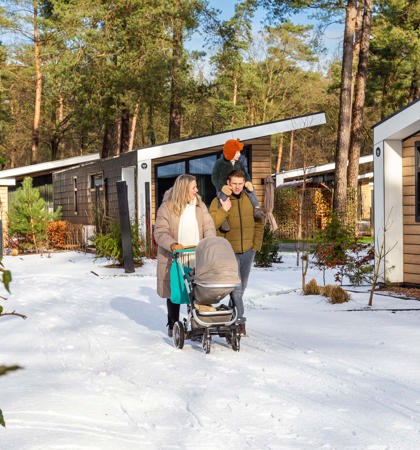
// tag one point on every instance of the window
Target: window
(98, 197)
(201, 167)
(417, 175)
(96, 181)
(76, 211)
(166, 175)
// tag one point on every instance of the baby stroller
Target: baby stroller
(215, 276)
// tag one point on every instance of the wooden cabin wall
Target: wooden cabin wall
(411, 228)
(64, 184)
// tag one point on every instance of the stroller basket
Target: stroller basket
(207, 294)
(223, 316)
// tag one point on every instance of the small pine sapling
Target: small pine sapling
(29, 217)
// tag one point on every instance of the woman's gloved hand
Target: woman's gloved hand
(176, 246)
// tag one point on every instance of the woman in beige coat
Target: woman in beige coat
(182, 220)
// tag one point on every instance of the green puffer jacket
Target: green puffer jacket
(222, 168)
(245, 234)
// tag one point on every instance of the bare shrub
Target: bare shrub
(311, 288)
(336, 294)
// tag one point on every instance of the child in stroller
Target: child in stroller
(215, 276)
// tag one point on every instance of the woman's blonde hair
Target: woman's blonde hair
(179, 195)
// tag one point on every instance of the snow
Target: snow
(99, 371)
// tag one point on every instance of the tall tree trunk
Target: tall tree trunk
(251, 111)
(279, 154)
(385, 88)
(133, 126)
(110, 140)
(57, 118)
(235, 90)
(234, 98)
(292, 140)
(60, 123)
(357, 117)
(175, 114)
(125, 130)
(344, 119)
(38, 88)
(357, 36)
(415, 85)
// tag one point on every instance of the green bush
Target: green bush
(29, 217)
(269, 249)
(109, 244)
(338, 249)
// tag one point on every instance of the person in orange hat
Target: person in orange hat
(223, 167)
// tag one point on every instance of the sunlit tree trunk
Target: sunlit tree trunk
(279, 154)
(38, 88)
(344, 119)
(234, 98)
(133, 126)
(175, 114)
(358, 113)
(292, 140)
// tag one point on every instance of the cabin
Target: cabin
(321, 179)
(86, 188)
(396, 154)
(41, 174)
(89, 191)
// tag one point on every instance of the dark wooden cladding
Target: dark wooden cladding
(66, 181)
(411, 228)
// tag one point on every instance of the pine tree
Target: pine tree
(29, 216)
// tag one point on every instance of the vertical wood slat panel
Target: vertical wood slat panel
(411, 228)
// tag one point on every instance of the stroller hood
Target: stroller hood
(215, 262)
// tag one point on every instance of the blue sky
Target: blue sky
(332, 38)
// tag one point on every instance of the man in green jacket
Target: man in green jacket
(245, 234)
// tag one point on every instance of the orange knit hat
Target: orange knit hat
(231, 147)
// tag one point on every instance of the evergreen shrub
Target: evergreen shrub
(269, 250)
(109, 243)
(29, 217)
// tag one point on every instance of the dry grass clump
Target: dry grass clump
(335, 294)
(312, 288)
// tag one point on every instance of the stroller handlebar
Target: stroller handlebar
(186, 249)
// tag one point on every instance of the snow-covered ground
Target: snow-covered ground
(100, 372)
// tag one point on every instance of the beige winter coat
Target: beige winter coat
(166, 234)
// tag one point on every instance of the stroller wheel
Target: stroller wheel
(206, 343)
(178, 335)
(236, 343)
